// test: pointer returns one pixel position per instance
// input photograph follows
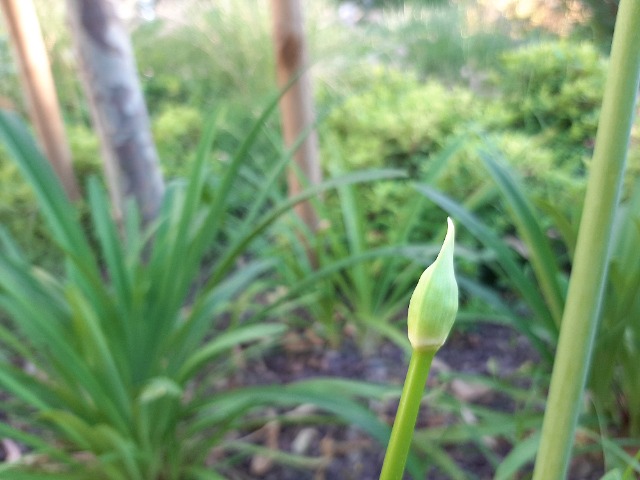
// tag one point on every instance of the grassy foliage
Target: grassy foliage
(356, 274)
(389, 119)
(615, 381)
(115, 345)
(334, 271)
(612, 381)
(539, 116)
(426, 95)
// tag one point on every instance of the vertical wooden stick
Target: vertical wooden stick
(296, 105)
(37, 81)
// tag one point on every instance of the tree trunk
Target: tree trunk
(296, 105)
(37, 82)
(119, 112)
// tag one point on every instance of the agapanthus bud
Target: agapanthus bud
(434, 303)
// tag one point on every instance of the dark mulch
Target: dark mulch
(347, 452)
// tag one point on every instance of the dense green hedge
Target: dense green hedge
(539, 108)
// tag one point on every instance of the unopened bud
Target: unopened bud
(434, 303)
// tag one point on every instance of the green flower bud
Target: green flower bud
(434, 303)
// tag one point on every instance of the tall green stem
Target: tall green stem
(402, 432)
(592, 252)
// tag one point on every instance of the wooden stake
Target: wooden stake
(37, 82)
(296, 105)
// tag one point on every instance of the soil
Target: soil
(344, 452)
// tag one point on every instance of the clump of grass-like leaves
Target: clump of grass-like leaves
(111, 366)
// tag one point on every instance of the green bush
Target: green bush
(398, 122)
(18, 211)
(547, 180)
(554, 88)
(542, 113)
(403, 123)
(177, 130)
(398, 119)
(85, 150)
(18, 208)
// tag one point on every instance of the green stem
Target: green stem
(402, 432)
(584, 298)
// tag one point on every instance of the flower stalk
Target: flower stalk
(587, 282)
(432, 311)
(408, 408)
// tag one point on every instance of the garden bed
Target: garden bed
(344, 452)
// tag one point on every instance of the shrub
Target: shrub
(176, 131)
(85, 151)
(398, 118)
(555, 88)
(18, 208)
(18, 212)
(403, 123)
(398, 122)
(553, 91)
(542, 114)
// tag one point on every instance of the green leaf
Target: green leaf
(612, 475)
(206, 308)
(109, 240)
(201, 473)
(37, 443)
(279, 456)
(159, 387)
(56, 208)
(266, 221)
(20, 385)
(326, 394)
(523, 453)
(103, 354)
(541, 255)
(439, 457)
(225, 342)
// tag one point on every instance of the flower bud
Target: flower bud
(434, 303)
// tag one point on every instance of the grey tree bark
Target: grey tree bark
(111, 83)
(39, 88)
(296, 105)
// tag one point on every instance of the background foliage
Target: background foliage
(445, 104)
